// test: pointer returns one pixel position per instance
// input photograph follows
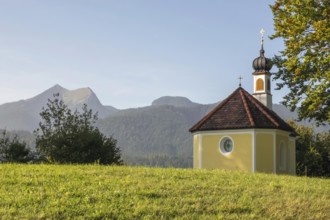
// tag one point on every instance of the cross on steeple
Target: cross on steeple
(240, 80)
(262, 32)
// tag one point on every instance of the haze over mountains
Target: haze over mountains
(145, 135)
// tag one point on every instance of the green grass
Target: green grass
(109, 192)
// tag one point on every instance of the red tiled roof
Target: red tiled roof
(241, 111)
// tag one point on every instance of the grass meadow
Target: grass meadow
(114, 192)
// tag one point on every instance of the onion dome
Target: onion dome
(262, 63)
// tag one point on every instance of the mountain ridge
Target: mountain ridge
(144, 133)
(24, 114)
(177, 101)
(18, 115)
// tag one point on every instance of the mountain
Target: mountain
(286, 114)
(148, 135)
(176, 101)
(153, 129)
(24, 114)
(155, 135)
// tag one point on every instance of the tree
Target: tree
(12, 150)
(312, 151)
(65, 136)
(304, 64)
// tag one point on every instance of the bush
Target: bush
(313, 152)
(13, 150)
(64, 136)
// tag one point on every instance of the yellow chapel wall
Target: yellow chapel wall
(283, 137)
(292, 154)
(264, 151)
(239, 159)
(196, 150)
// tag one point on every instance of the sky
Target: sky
(131, 52)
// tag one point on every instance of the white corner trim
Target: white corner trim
(274, 145)
(253, 152)
(194, 155)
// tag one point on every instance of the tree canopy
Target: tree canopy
(66, 136)
(304, 64)
(13, 150)
(313, 151)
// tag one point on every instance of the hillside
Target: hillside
(159, 130)
(156, 134)
(110, 192)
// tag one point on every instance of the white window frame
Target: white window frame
(221, 146)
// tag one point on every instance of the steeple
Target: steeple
(261, 76)
(262, 63)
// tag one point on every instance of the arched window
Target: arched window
(260, 84)
(282, 156)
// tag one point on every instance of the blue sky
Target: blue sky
(130, 52)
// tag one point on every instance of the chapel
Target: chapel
(244, 133)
